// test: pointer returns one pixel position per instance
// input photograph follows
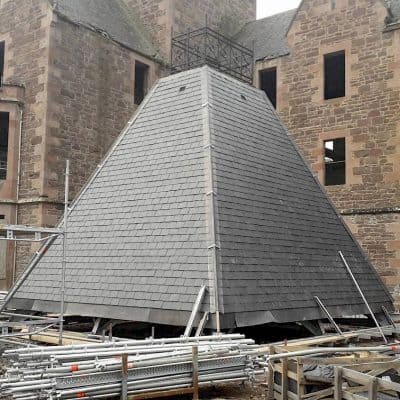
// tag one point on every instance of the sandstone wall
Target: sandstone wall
(24, 26)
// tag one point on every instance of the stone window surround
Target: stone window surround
(6, 72)
(260, 71)
(332, 135)
(9, 103)
(8, 187)
(151, 72)
(333, 79)
(344, 161)
(328, 49)
(269, 64)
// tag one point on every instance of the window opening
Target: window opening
(2, 55)
(334, 75)
(141, 81)
(268, 83)
(4, 127)
(335, 162)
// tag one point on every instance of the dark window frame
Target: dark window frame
(268, 82)
(141, 81)
(335, 162)
(335, 75)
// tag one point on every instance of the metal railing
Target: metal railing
(208, 47)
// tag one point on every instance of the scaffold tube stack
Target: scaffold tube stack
(95, 371)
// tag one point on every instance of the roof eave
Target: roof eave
(271, 57)
(392, 26)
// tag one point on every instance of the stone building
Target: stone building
(72, 72)
(332, 68)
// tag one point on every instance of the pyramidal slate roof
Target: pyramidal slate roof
(204, 187)
(109, 17)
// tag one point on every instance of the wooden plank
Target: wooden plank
(167, 393)
(355, 376)
(386, 385)
(124, 380)
(338, 383)
(376, 372)
(357, 389)
(350, 360)
(325, 339)
(285, 379)
(292, 396)
(69, 338)
(373, 389)
(277, 389)
(301, 390)
(352, 396)
(290, 374)
(271, 364)
(195, 361)
(376, 364)
(278, 396)
(318, 395)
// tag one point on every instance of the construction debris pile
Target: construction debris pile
(96, 371)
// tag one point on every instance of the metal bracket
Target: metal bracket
(202, 324)
(388, 317)
(331, 320)
(96, 326)
(363, 297)
(195, 311)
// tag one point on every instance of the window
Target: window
(2, 50)
(268, 83)
(4, 123)
(141, 78)
(335, 75)
(335, 162)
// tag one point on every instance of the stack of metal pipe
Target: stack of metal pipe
(94, 371)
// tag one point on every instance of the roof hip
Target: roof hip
(216, 297)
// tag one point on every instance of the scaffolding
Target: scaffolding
(23, 233)
(206, 46)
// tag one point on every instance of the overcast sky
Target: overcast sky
(270, 7)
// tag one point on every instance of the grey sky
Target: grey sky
(270, 7)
